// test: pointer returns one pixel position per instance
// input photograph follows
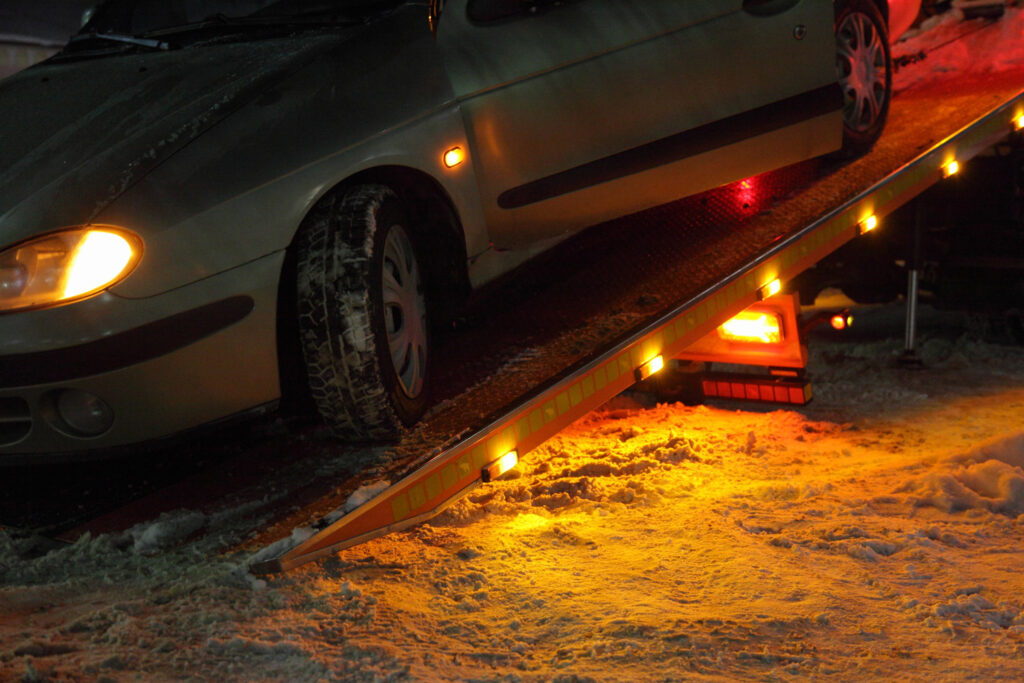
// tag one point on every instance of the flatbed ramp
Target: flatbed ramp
(669, 276)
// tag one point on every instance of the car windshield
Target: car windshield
(140, 18)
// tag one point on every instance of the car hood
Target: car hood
(77, 134)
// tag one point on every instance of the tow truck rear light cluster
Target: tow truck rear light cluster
(753, 327)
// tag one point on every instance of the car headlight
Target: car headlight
(65, 266)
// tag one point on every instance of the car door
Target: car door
(585, 110)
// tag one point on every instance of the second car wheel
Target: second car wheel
(362, 313)
(864, 68)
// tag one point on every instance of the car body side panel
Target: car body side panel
(676, 67)
(243, 188)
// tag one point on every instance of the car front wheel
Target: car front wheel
(362, 313)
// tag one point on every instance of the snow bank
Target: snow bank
(988, 477)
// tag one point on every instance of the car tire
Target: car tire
(864, 70)
(362, 313)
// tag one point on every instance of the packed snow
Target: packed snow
(875, 534)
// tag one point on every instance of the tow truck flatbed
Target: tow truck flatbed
(652, 284)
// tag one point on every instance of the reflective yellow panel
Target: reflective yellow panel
(752, 327)
(98, 259)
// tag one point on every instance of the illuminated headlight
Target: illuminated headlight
(65, 266)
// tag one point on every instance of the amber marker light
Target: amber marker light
(752, 327)
(649, 368)
(770, 289)
(951, 169)
(868, 224)
(1018, 122)
(500, 466)
(841, 321)
(453, 157)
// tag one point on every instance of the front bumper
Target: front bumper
(163, 365)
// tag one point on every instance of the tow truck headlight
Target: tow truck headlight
(65, 266)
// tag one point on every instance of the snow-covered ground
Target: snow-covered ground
(875, 534)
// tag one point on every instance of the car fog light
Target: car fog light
(83, 413)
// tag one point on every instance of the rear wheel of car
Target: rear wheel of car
(362, 313)
(864, 68)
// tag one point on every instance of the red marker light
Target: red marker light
(841, 321)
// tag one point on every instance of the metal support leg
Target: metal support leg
(914, 265)
(910, 333)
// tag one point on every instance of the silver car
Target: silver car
(189, 184)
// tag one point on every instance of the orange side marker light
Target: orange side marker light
(770, 289)
(951, 169)
(453, 157)
(499, 467)
(649, 368)
(868, 224)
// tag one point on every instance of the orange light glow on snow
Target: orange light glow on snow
(453, 157)
(753, 327)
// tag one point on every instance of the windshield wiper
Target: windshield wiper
(121, 38)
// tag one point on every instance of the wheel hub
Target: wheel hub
(405, 312)
(861, 65)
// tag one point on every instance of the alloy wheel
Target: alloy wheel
(405, 311)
